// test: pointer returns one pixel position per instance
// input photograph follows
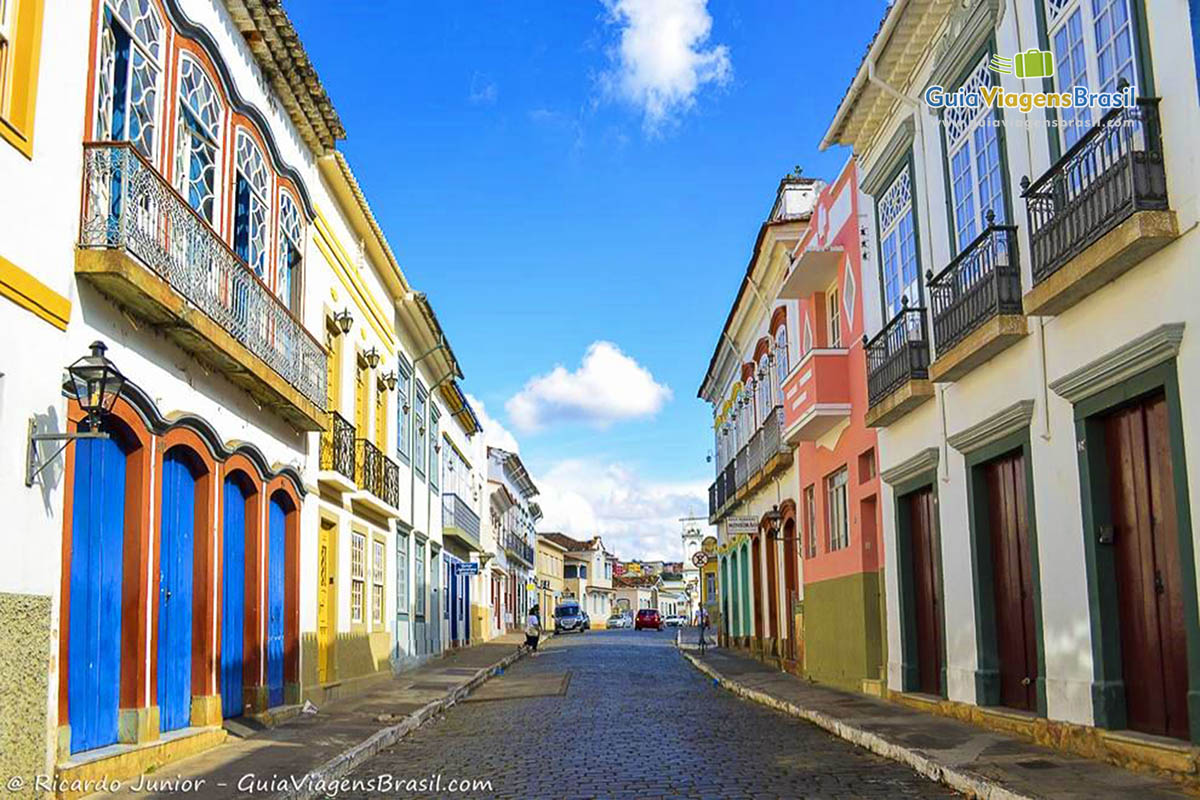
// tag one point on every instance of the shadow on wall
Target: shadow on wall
(353, 656)
(50, 476)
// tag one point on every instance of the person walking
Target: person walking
(533, 629)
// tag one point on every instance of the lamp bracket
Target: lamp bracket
(32, 466)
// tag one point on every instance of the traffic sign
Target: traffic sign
(700, 559)
(467, 568)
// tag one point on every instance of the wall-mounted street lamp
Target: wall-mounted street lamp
(95, 383)
(391, 380)
(372, 357)
(344, 321)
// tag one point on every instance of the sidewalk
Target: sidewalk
(967, 758)
(335, 740)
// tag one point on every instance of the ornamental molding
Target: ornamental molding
(925, 461)
(1138, 355)
(967, 28)
(1012, 419)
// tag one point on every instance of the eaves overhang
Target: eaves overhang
(902, 42)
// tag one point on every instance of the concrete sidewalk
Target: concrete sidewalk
(291, 760)
(967, 758)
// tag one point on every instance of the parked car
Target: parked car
(620, 621)
(648, 618)
(570, 617)
(674, 621)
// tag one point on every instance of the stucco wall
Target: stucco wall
(843, 635)
(24, 681)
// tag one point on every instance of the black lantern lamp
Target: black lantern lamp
(372, 357)
(95, 383)
(344, 320)
(391, 380)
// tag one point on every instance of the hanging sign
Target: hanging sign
(467, 568)
(741, 525)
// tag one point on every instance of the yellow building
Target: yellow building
(550, 585)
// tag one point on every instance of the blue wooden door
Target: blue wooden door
(176, 540)
(275, 604)
(233, 599)
(452, 584)
(466, 603)
(94, 655)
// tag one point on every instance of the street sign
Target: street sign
(467, 568)
(700, 559)
(736, 525)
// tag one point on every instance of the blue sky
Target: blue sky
(560, 173)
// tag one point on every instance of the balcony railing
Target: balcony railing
(518, 547)
(742, 466)
(983, 281)
(899, 353)
(714, 498)
(730, 477)
(377, 473)
(773, 434)
(457, 514)
(764, 444)
(337, 446)
(128, 205)
(1113, 171)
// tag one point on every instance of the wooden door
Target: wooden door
(233, 599)
(276, 559)
(176, 543)
(927, 610)
(1012, 580)
(791, 585)
(772, 548)
(1148, 568)
(326, 599)
(94, 644)
(757, 591)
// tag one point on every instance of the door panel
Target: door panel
(325, 602)
(1012, 580)
(1148, 568)
(276, 558)
(94, 654)
(756, 588)
(927, 603)
(176, 542)
(233, 600)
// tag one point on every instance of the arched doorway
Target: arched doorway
(757, 588)
(238, 589)
(276, 599)
(177, 540)
(96, 581)
(791, 587)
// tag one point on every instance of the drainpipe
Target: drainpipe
(919, 134)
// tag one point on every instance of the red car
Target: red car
(648, 618)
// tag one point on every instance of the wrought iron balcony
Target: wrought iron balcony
(377, 473)
(714, 499)
(982, 282)
(1112, 172)
(143, 245)
(518, 548)
(730, 477)
(898, 354)
(459, 519)
(337, 447)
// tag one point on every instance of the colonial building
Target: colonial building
(589, 575)
(549, 576)
(824, 404)
(512, 518)
(635, 592)
(463, 459)
(753, 499)
(1029, 362)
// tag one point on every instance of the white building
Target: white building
(511, 535)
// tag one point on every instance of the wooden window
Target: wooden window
(837, 516)
(252, 183)
(358, 575)
(866, 466)
(130, 48)
(378, 559)
(419, 581)
(291, 253)
(810, 522)
(835, 316)
(404, 409)
(20, 47)
(419, 421)
(435, 446)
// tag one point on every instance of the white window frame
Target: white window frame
(971, 133)
(420, 404)
(358, 555)
(257, 239)
(1073, 123)
(402, 573)
(404, 409)
(833, 311)
(208, 131)
(291, 234)
(378, 564)
(898, 237)
(837, 510)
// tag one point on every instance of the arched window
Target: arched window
(127, 74)
(781, 352)
(765, 387)
(291, 252)
(251, 190)
(197, 136)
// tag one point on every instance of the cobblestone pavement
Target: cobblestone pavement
(636, 721)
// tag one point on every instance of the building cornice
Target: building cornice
(1148, 350)
(994, 428)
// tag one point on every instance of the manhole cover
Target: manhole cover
(509, 688)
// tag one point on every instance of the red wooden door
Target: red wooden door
(926, 602)
(791, 585)
(1012, 580)
(772, 587)
(1148, 568)
(756, 586)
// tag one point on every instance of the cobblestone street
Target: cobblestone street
(635, 721)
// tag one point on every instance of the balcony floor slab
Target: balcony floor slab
(144, 294)
(908, 396)
(1105, 260)
(979, 346)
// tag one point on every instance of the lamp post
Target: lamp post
(95, 383)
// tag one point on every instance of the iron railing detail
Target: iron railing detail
(518, 547)
(337, 446)
(898, 353)
(127, 204)
(1113, 171)
(377, 473)
(982, 281)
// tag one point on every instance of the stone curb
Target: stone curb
(958, 780)
(309, 786)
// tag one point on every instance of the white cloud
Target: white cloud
(483, 90)
(608, 386)
(663, 58)
(635, 517)
(494, 434)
